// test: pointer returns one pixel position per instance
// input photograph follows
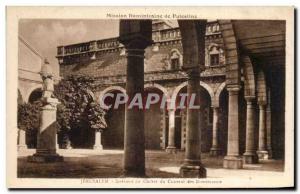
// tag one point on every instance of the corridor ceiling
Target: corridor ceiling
(263, 40)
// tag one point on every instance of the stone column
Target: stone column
(269, 131)
(250, 156)
(171, 138)
(192, 166)
(233, 160)
(262, 149)
(22, 140)
(135, 35)
(46, 137)
(98, 144)
(269, 126)
(215, 150)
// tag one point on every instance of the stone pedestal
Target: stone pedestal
(233, 160)
(135, 35)
(250, 156)
(46, 137)
(22, 140)
(171, 138)
(192, 166)
(98, 144)
(262, 151)
(215, 150)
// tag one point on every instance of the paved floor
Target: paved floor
(84, 163)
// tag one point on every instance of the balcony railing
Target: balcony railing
(113, 43)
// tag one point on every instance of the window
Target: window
(214, 59)
(175, 60)
(175, 64)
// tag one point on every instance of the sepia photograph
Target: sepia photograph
(150, 98)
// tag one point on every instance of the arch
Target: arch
(208, 89)
(221, 87)
(177, 90)
(20, 97)
(249, 89)
(159, 87)
(111, 88)
(33, 88)
(261, 87)
(231, 52)
(202, 84)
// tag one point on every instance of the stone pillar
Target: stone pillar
(98, 144)
(233, 160)
(215, 150)
(250, 156)
(192, 166)
(22, 140)
(46, 137)
(171, 138)
(269, 131)
(262, 149)
(269, 126)
(135, 35)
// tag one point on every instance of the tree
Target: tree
(78, 107)
(29, 119)
(29, 116)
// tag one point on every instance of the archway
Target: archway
(206, 116)
(223, 120)
(35, 95)
(113, 136)
(154, 120)
(31, 135)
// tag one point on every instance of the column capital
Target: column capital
(233, 88)
(250, 99)
(215, 107)
(261, 103)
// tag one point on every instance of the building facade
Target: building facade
(260, 93)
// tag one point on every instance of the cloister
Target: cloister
(237, 71)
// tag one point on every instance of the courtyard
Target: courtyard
(87, 163)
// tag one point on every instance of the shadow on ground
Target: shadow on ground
(110, 166)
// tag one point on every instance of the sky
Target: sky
(44, 35)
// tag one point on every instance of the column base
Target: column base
(233, 162)
(191, 171)
(262, 154)
(215, 152)
(250, 158)
(98, 147)
(22, 147)
(41, 158)
(171, 150)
